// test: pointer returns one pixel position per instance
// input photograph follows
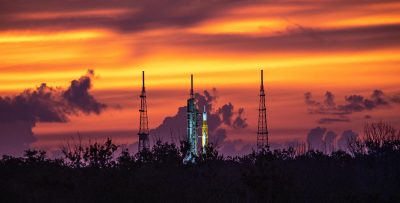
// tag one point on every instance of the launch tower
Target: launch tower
(144, 142)
(262, 133)
(192, 125)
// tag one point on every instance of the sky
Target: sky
(329, 67)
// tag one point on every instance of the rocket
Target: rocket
(204, 132)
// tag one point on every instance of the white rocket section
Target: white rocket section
(204, 137)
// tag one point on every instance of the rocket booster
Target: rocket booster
(204, 130)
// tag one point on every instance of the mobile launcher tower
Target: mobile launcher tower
(192, 126)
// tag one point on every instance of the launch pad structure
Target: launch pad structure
(192, 122)
(192, 125)
(262, 132)
(144, 142)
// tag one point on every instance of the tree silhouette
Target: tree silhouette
(93, 173)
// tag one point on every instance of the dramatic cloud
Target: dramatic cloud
(140, 16)
(352, 104)
(327, 40)
(327, 141)
(330, 138)
(309, 100)
(78, 97)
(315, 138)
(19, 114)
(240, 122)
(124, 16)
(219, 120)
(226, 111)
(343, 142)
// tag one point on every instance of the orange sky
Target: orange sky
(341, 46)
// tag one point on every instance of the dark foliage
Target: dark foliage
(91, 174)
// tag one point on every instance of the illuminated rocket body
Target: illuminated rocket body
(204, 131)
(192, 125)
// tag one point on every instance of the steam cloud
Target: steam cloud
(327, 141)
(352, 104)
(219, 120)
(20, 113)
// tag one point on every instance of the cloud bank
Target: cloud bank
(334, 113)
(20, 113)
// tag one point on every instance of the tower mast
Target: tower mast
(144, 142)
(191, 134)
(262, 132)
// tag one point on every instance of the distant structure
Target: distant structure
(192, 125)
(262, 133)
(204, 132)
(144, 142)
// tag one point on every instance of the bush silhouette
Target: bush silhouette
(95, 173)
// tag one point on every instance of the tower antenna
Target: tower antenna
(144, 142)
(262, 132)
(191, 86)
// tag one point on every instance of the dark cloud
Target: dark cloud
(329, 100)
(240, 122)
(315, 138)
(137, 15)
(330, 138)
(148, 14)
(227, 112)
(352, 104)
(309, 99)
(174, 126)
(39, 105)
(79, 98)
(219, 120)
(206, 99)
(343, 141)
(43, 104)
(328, 141)
(328, 40)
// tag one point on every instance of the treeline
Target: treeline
(368, 172)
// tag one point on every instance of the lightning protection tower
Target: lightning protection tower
(192, 136)
(262, 132)
(144, 142)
